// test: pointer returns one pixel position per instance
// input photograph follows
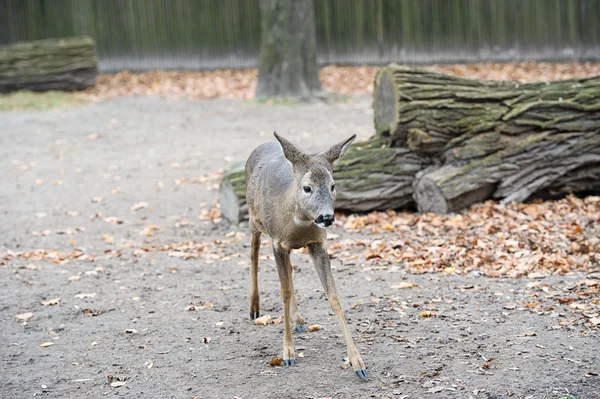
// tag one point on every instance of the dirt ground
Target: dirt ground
(99, 202)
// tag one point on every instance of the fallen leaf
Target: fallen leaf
(139, 206)
(426, 314)
(404, 285)
(24, 316)
(263, 321)
(579, 306)
(314, 327)
(565, 300)
(91, 312)
(85, 295)
(275, 361)
(51, 302)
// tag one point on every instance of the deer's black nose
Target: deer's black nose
(327, 219)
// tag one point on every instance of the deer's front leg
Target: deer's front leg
(282, 258)
(294, 301)
(318, 251)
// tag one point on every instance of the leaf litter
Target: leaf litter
(241, 84)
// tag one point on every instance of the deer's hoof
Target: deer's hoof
(301, 328)
(289, 362)
(363, 374)
(254, 315)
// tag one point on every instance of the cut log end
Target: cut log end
(232, 195)
(385, 102)
(429, 197)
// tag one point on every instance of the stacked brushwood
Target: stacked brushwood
(443, 143)
(52, 64)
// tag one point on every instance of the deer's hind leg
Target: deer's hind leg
(254, 295)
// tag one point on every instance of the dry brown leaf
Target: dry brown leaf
(404, 284)
(426, 313)
(24, 316)
(314, 327)
(263, 320)
(138, 206)
(275, 361)
(51, 302)
(595, 321)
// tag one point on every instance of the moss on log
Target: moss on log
(52, 64)
(431, 113)
(500, 140)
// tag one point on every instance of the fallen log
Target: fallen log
(501, 140)
(371, 175)
(52, 64)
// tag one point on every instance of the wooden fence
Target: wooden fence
(207, 34)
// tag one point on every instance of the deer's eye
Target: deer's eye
(307, 189)
(332, 187)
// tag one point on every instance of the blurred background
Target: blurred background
(213, 34)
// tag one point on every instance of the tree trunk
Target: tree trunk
(52, 64)
(288, 56)
(500, 140)
(371, 175)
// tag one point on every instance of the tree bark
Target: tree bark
(501, 140)
(288, 55)
(371, 175)
(52, 64)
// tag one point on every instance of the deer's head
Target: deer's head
(313, 180)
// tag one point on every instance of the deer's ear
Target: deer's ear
(336, 152)
(292, 153)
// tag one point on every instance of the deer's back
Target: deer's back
(269, 178)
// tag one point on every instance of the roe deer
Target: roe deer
(291, 197)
